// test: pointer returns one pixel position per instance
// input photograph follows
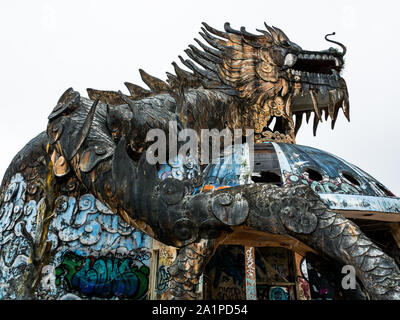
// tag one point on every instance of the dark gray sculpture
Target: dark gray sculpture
(238, 80)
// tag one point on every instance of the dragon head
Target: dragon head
(276, 81)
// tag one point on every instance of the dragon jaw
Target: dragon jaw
(314, 85)
(317, 85)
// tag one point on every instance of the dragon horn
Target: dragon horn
(227, 27)
(248, 34)
(338, 43)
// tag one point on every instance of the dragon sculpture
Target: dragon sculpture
(236, 80)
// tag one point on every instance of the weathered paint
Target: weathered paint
(179, 168)
(166, 256)
(364, 203)
(229, 171)
(302, 285)
(94, 252)
(364, 193)
(250, 272)
(298, 158)
(278, 293)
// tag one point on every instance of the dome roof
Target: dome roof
(340, 184)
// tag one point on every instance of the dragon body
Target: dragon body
(96, 146)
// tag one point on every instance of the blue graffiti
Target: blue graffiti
(278, 293)
(104, 277)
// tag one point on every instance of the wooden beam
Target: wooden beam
(280, 284)
(245, 236)
(370, 215)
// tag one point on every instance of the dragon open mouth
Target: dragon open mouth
(318, 86)
(277, 128)
(314, 70)
(313, 86)
(317, 63)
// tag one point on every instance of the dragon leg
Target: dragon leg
(187, 268)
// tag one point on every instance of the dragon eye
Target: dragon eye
(285, 43)
(290, 60)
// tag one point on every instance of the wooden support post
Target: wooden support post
(302, 286)
(250, 273)
(200, 288)
(163, 257)
(152, 293)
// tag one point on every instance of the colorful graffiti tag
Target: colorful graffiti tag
(104, 277)
(163, 278)
(251, 290)
(320, 287)
(278, 293)
(327, 185)
(302, 285)
(166, 256)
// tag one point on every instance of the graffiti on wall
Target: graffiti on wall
(303, 287)
(163, 278)
(273, 270)
(320, 287)
(104, 277)
(166, 256)
(225, 274)
(272, 264)
(327, 185)
(16, 219)
(251, 290)
(278, 293)
(94, 253)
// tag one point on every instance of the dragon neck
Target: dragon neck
(208, 109)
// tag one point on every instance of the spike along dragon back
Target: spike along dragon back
(96, 148)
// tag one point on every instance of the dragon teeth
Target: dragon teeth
(315, 56)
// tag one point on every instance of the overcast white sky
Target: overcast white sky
(49, 46)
